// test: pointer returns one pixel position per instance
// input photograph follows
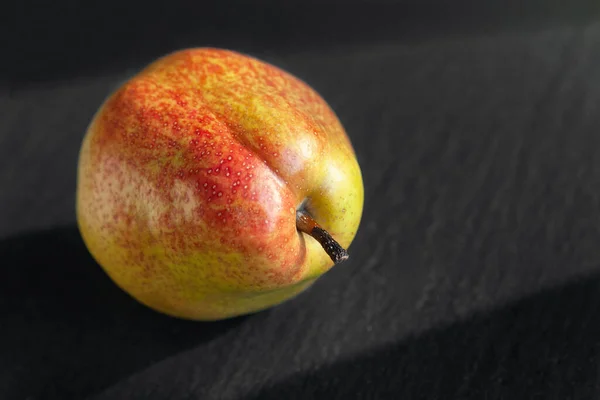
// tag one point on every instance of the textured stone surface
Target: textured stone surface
(475, 273)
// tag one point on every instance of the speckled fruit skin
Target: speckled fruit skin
(190, 175)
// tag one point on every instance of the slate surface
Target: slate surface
(476, 271)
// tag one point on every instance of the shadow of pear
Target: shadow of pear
(68, 331)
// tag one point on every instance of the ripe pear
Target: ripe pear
(212, 184)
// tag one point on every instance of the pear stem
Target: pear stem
(305, 223)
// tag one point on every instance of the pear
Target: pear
(212, 184)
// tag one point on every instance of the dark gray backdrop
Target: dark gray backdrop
(475, 273)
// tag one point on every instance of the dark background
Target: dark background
(476, 271)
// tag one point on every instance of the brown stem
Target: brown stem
(305, 223)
